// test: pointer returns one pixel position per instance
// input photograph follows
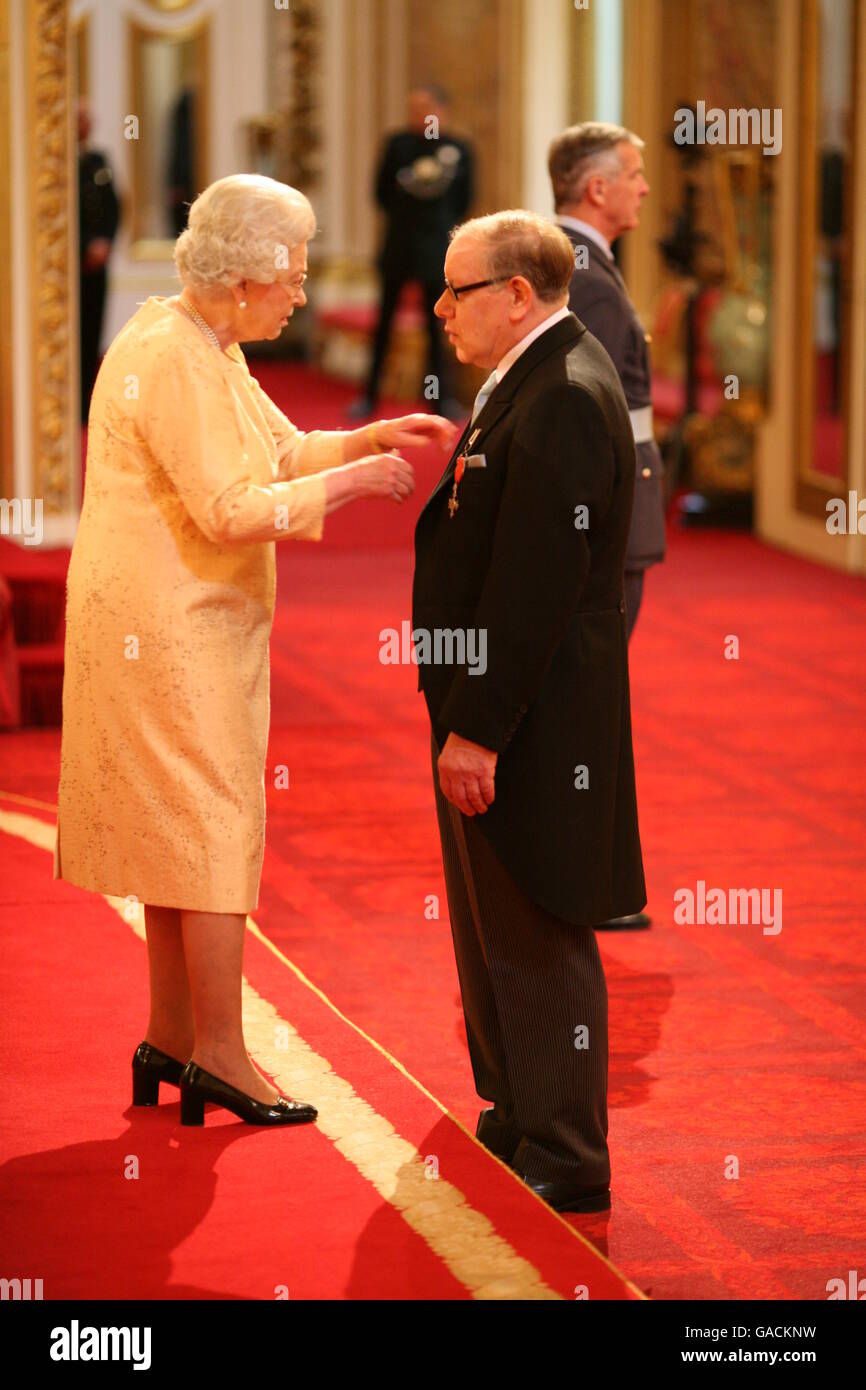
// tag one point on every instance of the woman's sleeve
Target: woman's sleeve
(189, 424)
(299, 454)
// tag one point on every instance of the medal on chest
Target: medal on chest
(459, 470)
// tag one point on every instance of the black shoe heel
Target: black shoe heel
(191, 1108)
(145, 1089)
(149, 1067)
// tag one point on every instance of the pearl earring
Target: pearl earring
(242, 304)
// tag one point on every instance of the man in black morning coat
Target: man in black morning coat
(520, 547)
(597, 173)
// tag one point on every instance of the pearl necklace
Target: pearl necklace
(199, 321)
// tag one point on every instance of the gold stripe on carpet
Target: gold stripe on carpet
(463, 1238)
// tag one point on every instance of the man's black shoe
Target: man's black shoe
(635, 922)
(569, 1196)
(500, 1138)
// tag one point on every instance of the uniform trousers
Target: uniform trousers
(535, 1004)
(93, 286)
(392, 286)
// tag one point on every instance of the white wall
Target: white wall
(547, 36)
(545, 94)
(608, 61)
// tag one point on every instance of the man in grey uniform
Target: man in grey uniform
(598, 185)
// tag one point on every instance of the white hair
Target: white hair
(242, 228)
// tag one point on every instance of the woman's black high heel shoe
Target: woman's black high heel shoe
(199, 1087)
(149, 1067)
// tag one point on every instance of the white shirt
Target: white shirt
(513, 353)
(586, 230)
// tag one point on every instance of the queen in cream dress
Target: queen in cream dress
(170, 599)
(193, 474)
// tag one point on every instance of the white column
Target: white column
(545, 92)
(238, 80)
(608, 61)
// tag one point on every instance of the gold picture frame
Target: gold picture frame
(143, 244)
(812, 487)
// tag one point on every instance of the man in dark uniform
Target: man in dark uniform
(598, 185)
(520, 637)
(98, 216)
(424, 184)
(182, 188)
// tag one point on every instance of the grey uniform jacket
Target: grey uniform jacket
(600, 300)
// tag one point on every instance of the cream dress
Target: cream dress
(192, 475)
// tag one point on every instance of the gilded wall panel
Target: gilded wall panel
(53, 237)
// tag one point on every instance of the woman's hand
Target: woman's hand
(384, 475)
(411, 431)
(381, 475)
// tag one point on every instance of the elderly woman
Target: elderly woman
(192, 475)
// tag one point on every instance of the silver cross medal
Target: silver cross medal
(459, 469)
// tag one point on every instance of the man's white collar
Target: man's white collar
(513, 353)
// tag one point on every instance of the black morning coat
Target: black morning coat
(556, 437)
(599, 298)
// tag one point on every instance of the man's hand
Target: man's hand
(466, 772)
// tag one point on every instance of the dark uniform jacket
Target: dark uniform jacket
(545, 581)
(425, 188)
(98, 206)
(600, 299)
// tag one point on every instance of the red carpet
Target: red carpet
(738, 1060)
(233, 1211)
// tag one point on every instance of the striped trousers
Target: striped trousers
(535, 1004)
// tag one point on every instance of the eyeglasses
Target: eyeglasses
(457, 290)
(295, 285)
